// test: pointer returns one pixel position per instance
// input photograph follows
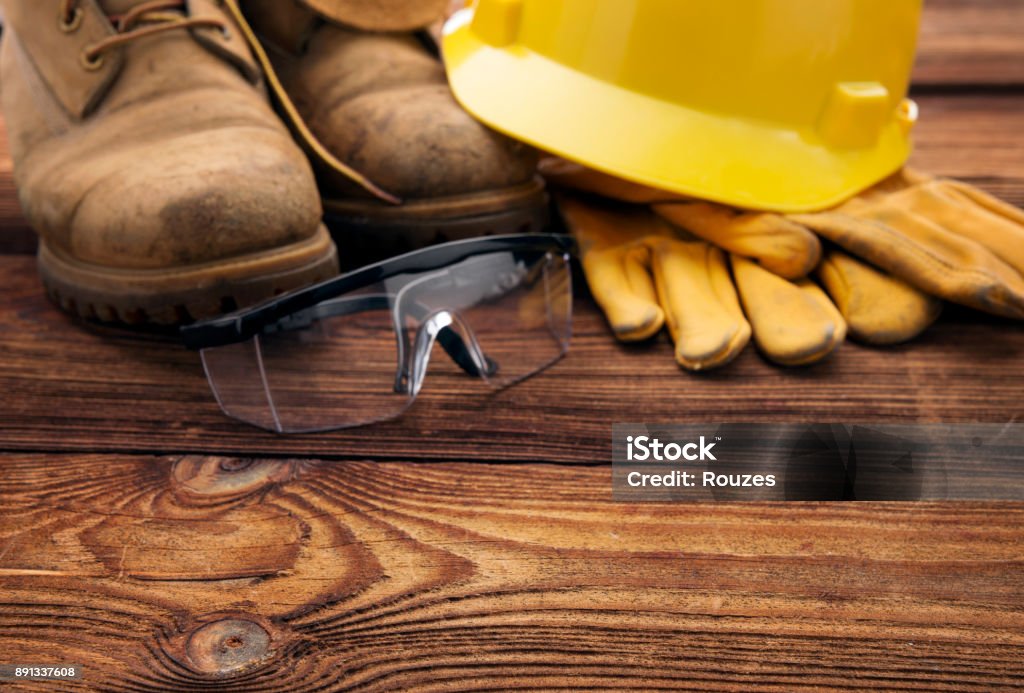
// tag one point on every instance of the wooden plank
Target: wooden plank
(977, 139)
(162, 573)
(70, 386)
(972, 43)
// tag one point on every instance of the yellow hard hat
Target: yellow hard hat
(785, 105)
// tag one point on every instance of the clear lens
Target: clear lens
(235, 376)
(501, 316)
(339, 371)
(517, 308)
(331, 369)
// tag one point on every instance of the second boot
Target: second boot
(366, 80)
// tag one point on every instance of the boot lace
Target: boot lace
(145, 19)
(157, 16)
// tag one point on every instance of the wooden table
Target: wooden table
(473, 544)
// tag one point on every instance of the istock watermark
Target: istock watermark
(643, 448)
(817, 462)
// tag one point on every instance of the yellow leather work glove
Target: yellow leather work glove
(878, 308)
(646, 274)
(787, 249)
(944, 237)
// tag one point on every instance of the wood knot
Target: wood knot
(230, 464)
(228, 645)
(224, 476)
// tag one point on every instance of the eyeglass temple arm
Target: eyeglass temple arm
(449, 339)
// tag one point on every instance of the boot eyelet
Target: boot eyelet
(90, 64)
(70, 24)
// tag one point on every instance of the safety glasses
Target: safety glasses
(355, 349)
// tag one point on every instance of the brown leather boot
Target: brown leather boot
(162, 184)
(373, 92)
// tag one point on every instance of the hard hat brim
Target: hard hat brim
(736, 161)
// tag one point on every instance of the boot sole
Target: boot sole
(183, 294)
(371, 231)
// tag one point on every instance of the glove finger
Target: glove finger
(794, 323)
(616, 261)
(630, 307)
(878, 308)
(778, 244)
(701, 307)
(566, 174)
(985, 219)
(913, 247)
(909, 177)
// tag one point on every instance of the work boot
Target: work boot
(161, 183)
(366, 80)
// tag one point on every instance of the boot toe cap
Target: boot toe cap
(199, 198)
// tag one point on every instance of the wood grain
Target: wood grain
(129, 391)
(474, 576)
(135, 392)
(974, 138)
(971, 44)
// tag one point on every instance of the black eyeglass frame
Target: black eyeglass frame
(244, 324)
